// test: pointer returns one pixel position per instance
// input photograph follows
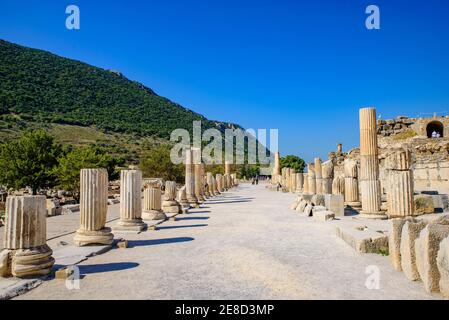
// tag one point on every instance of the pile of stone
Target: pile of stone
(420, 248)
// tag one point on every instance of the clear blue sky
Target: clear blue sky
(304, 67)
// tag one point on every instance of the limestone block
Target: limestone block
(4, 263)
(443, 267)
(307, 212)
(294, 205)
(323, 216)
(426, 250)
(318, 200)
(394, 242)
(410, 232)
(302, 206)
(423, 204)
(335, 203)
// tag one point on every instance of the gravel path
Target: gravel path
(245, 244)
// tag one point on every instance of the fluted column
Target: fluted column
(312, 178)
(152, 204)
(130, 201)
(299, 182)
(338, 185)
(182, 199)
(93, 208)
(190, 179)
(369, 165)
(198, 175)
(25, 246)
(170, 204)
(277, 167)
(219, 179)
(351, 183)
(292, 180)
(327, 173)
(305, 188)
(318, 176)
(400, 200)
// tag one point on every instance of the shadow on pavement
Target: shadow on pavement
(193, 212)
(106, 267)
(178, 227)
(141, 243)
(192, 218)
(235, 201)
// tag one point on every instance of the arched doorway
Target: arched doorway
(435, 127)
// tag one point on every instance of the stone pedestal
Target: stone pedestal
(400, 184)
(312, 179)
(130, 202)
(152, 204)
(369, 165)
(93, 209)
(351, 184)
(170, 204)
(318, 176)
(327, 174)
(26, 253)
(190, 179)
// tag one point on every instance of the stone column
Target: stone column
(227, 167)
(338, 185)
(299, 182)
(327, 172)
(203, 176)
(198, 175)
(305, 188)
(318, 176)
(170, 205)
(312, 178)
(351, 183)
(369, 165)
(214, 185)
(277, 167)
(210, 183)
(93, 209)
(182, 199)
(26, 253)
(219, 179)
(190, 179)
(152, 204)
(292, 180)
(130, 201)
(400, 199)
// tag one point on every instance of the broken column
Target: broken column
(369, 165)
(130, 201)
(338, 185)
(311, 178)
(152, 204)
(170, 204)
(327, 174)
(199, 178)
(182, 199)
(277, 167)
(93, 209)
(219, 178)
(318, 176)
(190, 179)
(400, 200)
(305, 188)
(292, 180)
(25, 252)
(351, 183)
(299, 182)
(410, 232)
(210, 183)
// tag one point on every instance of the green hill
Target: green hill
(37, 88)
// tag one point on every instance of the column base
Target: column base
(100, 237)
(134, 225)
(32, 262)
(355, 204)
(153, 215)
(373, 215)
(171, 207)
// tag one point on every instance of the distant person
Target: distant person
(438, 135)
(434, 134)
(257, 180)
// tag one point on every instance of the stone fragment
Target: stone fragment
(323, 216)
(394, 242)
(410, 232)
(335, 204)
(423, 204)
(443, 267)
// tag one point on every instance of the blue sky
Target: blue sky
(303, 67)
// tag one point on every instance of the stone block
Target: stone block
(410, 232)
(318, 200)
(394, 242)
(122, 244)
(64, 273)
(323, 216)
(426, 250)
(424, 204)
(335, 203)
(443, 267)
(362, 239)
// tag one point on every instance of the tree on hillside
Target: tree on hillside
(29, 161)
(156, 163)
(293, 162)
(70, 165)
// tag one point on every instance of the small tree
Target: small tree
(156, 163)
(293, 162)
(29, 161)
(70, 165)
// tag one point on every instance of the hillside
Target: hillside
(37, 87)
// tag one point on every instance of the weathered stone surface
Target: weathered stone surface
(152, 204)
(394, 242)
(327, 173)
(362, 239)
(318, 176)
(307, 212)
(426, 251)
(338, 185)
(410, 232)
(93, 208)
(335, 204)
(323, 216)
(351, 183)
(190, 179)
(170, 205)
(311, 178)
(5, 269)
(400, 194)
(443, 267)
(318, 200)
(423, 204)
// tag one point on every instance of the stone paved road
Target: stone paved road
(246, 244)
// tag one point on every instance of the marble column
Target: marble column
(318, 176)
(210, 184)
(25, 253)
(400, 199)
(219, 178)
(190, 179)
(351, 183)
(292, 180)
(182, 199)
(369, 165)
(327, 173)
(170, 204)
(198, 175)
(93, 209)
(277, 167)
(203, 176)
(130, 201)
(227, 167)
(299, 182)
(152, 204)
(305, 188)
(312, 178)
(338, 185)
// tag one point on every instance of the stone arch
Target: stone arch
(436, 126)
